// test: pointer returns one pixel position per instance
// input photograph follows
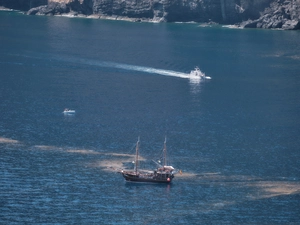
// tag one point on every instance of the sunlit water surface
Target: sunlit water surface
(235, 137)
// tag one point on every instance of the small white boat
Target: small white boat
(69, 111)
(197, 75)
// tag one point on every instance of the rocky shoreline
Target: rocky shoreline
(265, 14)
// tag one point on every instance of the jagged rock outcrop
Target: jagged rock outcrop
(52, 8)
(280, 14)
(284, 14)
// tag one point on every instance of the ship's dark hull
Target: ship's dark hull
(147, 179)
(163, 174)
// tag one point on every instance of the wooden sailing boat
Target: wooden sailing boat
(163, 174)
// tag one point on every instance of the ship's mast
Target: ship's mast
(165, 152)
(136, 155)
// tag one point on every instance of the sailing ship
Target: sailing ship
(163, 174)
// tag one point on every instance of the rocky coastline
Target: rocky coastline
(266, 14)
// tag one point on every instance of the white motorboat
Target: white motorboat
(197, 75)
(69, 111)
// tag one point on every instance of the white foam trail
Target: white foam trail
(136, 68)
(119, 66)
(152, 70)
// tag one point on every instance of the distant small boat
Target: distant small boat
(197, 75)
(69, 111)
(163, 174)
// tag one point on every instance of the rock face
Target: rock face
(283, 14)
(50, 9)
(279, 14)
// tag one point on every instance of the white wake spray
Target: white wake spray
(128, 67)
(135, 68)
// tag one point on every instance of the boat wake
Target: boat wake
(152, 70)
(121, 66)
(145, 69)
(129, 67)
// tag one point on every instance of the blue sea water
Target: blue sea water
(235, 137)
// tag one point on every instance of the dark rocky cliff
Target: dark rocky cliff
(283, 14)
